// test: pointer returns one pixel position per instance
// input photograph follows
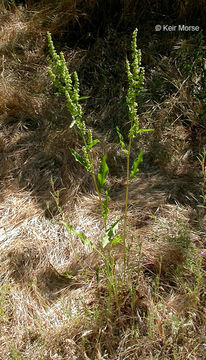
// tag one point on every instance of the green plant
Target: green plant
(15, 354)
(135, 75)
(193, 288)
(68, 85)
(55, 193)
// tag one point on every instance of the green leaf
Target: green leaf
(116, 240)
(60, 190)
(143, 130)
(121, 139)
(48, 204)
(103, 170)
(68, 227)
(54, 197)
(105, 240)
(82, 236)
(79, 158)
(110, 233)
(93, 143)
(84, 97)
(135, 168)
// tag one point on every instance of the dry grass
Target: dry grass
(54, 302)
(52, 307)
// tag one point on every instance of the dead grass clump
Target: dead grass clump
(61, 346)
(26, 111)
(163, 260)
(169, 241)
(19, 84)
(23, 261)
(175, 101)
(32, 157)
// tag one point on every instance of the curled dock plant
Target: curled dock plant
(68, 85)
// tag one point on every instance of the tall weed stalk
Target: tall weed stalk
(68, 85)
(135, 75)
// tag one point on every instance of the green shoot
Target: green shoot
(135, 75)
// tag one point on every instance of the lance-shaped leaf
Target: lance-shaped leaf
(143, 130)
(92, 144)
(84, 97)
(82, 236)
(103, 170)
(135, 166)
(79, 158)
(110, 233)
(121, 139)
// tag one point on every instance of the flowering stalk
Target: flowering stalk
(68, 85)
(135, 75)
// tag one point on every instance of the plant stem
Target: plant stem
(125, 209)
(94, 180)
